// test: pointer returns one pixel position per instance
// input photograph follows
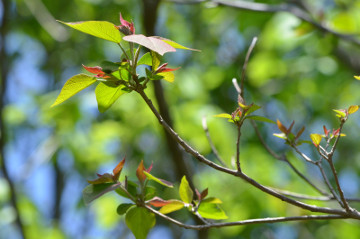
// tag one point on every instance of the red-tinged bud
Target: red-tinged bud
(148, 170)
(126, 27)
(336, 132)
(96, 70)
(326, 131)
(163, 68)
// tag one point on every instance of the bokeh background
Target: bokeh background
(297, 72)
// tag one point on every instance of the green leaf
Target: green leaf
(168, 76)
(122, 208)
(186, 193)
(224, 115)
(73, 86)
(140, 221)
(173, 206)
(260, 118)
(211, 211)
(101, 29)
(155, 60)
(251, 109)
(211, 200)
(93, 191)
(281, 136)
(158, 180)
(177, 45)
(146, 59)
(340, 113)
(107, 93)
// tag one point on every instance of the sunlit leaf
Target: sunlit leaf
(260, 118)
(212, 200)
(211, 211)
(176, 45)
(224, 115)
(174, 205)
(151, 43)
(107, 93)
(101, 29)
(281, 136)
(158, 180)
(146, 59)
(168, 76)
(316, 139)
(140, 221)
(73, 86)
(122, 208)
(155, 57)
(357, 77)
(186, 193)
(93, 191)
(352, 109)
(340, 113)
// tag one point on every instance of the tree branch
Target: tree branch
(247, 222)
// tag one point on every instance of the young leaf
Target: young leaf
(357, 77)
(140, 221)
(104, 178)
(260, 118)
(211, 211)
(140, 172)
(186, 194)
(252, 108)
(73, 86)
(158, 202)
(281, 127)
(340, 113)
(300, 132)
(176, 45)
(316, 139)
(122, 208)
(212, 200)
(151, 43)
(281, 136)
(352, 109)
(155, 57)
(146, 59)
(168, 76)
(117, 170)
(158, 180)
(101, 29)
(107, 93)
(224, 115)
(173, 206)
(93, 191)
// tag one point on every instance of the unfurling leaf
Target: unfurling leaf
(101, 29)
(281, 127)
(151, 43)
(74, 85)
(352, 109)
(158, 180)
(316, 139)
(173, 206)
(340, 113)
(117, 170)
(140, 221)
(186, 193)
(140, 172)
(224, 115)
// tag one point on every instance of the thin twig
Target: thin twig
(202, 159)
(247, 222)
(238, 166)
(304, 156)
(213, 148)
(284, 158)
(242, 79)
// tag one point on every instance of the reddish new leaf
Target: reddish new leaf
(140, 172)
(204, 193)
(158, 202)
(300, 132)
(326, 131)
(151, 43)
(103, 178)
(281, 127)
(117, 170)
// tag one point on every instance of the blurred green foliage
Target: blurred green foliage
(296, 72)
